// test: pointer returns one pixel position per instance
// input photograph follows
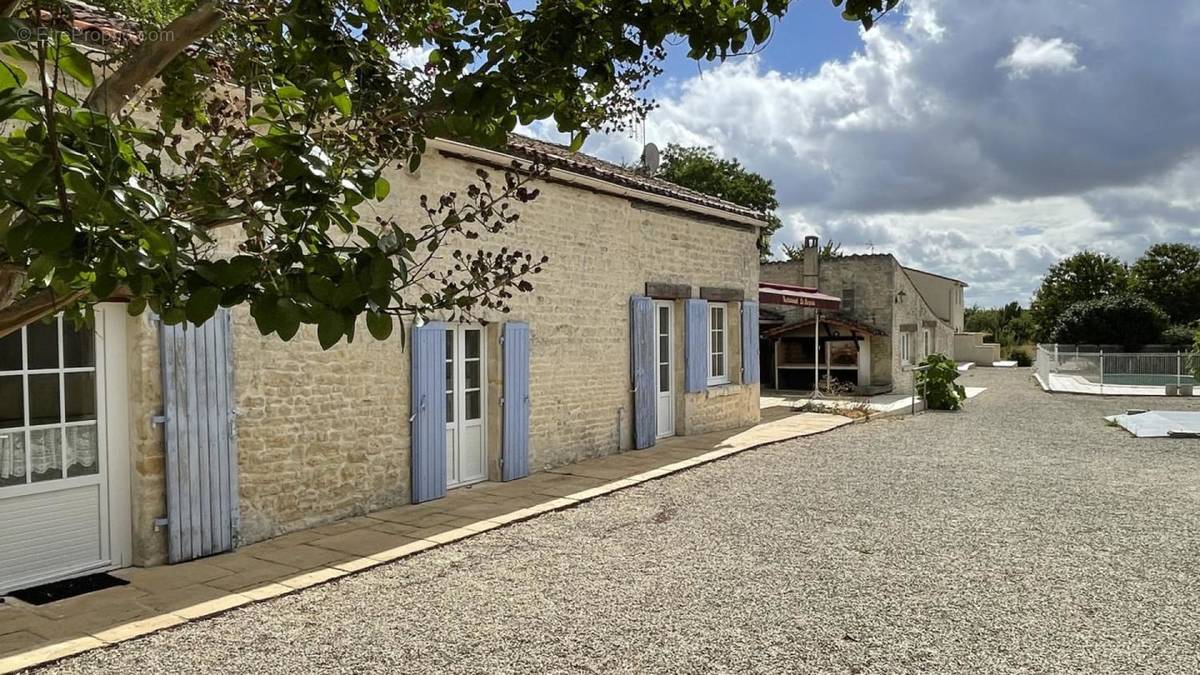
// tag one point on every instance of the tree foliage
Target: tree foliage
(1122, 319)
(1084, 276)
(700, 169)
(231, 157)
(1010, 325)
(829, 251)
(1169, 276)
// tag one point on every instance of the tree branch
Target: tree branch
(151, 57)
(9, 7)
(35, 308)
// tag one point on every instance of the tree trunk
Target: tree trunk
(151, 57)
(34, 308)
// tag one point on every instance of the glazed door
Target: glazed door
(466, 451)
(664, 372)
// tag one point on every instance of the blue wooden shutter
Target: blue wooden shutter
(695, 345)
(201, 453)
(514, 451)
(641, 359)
(428, 412)
(750, 361)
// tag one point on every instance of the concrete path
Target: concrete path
(167, 596)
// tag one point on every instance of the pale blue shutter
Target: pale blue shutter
(428, 412)
(641, 359)
(695, 345)
(750, 360)
(198, 428)
(514, 452)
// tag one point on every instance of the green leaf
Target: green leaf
(11, 76)
(51, 236)
(342, 103)
(203, 304)
(289, 92)
(330, 329)
(74, 63)
(382, 189)
(380, 325)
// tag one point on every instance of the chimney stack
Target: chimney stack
(810, 266)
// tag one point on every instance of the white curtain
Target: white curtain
(81, 447)
(12, 456)
(45, 450)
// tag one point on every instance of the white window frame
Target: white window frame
(905, 349)
(718, 378)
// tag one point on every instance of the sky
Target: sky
(979, 140)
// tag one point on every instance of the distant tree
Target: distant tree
(1169, 276)
(1120, 319)
(700, 169)
(1009, 325)
(1084, 276)
(831, 249)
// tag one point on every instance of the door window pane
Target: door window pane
(472, 344)
(41, 339)
(83, 455)
(80, 390)
(12, 458)
(472, 374)
(10, 351)
(664, 377)
(45, 454)
(43, 399)
(472, 412)
(12, 402)
(79, 347)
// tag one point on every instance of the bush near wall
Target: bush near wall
(1125, 319)
(937, 382)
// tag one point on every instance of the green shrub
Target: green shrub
(1125, 319)
(1196, 355)
(1021, 358)
(937, 383)
(1180, 335)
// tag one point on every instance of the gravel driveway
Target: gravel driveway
(1018, 535)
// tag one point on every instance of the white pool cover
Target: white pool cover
(1160, 424)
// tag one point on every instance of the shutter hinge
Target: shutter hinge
(160, 523)
(158, 419)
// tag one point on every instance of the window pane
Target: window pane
(449, 407)
(42, 342)
(449, 344)
(83, 453)
(80, 389)
(43, 399)
(45, 454)
(449, 376)
(664, 378)
(12, 458)
(472, 412)
(79, 347)
(10, 351)
(472, 374)
(472, 344)
(12, 402)
(664, 348)
(664, 318)
(721, 364)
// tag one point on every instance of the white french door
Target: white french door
(664, 372)
(466, 396)
(62, 440)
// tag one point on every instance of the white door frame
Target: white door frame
(455, 424)
(664, 401)
(114, 509)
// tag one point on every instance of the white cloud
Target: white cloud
(1032, 54)
(920, 144)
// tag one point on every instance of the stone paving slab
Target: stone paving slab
(165, 596)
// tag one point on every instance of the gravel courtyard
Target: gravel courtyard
(1018, 535)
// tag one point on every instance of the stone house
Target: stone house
(891, 317)
(138, 444)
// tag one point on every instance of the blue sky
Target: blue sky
(811, 33)
(979, 140)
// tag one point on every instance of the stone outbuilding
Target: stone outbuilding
(138, 444)
(891, 317)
